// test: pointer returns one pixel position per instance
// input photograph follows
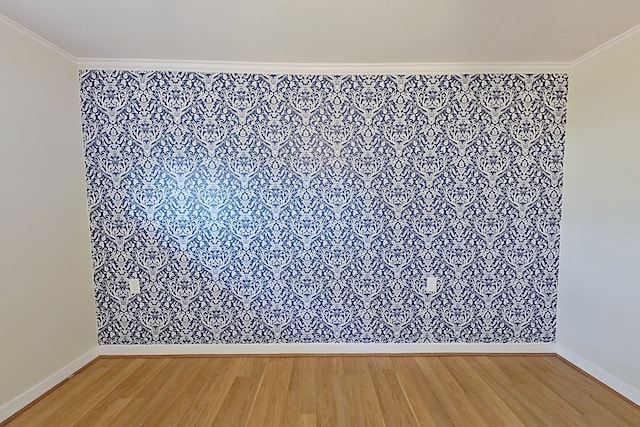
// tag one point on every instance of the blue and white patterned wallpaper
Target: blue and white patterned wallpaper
(286, 208)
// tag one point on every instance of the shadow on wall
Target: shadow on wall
(262, 208)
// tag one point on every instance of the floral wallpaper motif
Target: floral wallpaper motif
(288, 208)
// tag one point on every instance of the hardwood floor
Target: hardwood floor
(430, 390)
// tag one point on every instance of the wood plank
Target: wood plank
(365, 399)
(301, 400)
(186, 379)
(501, 385)
(82, 389)
(240, 399)
(493, 409)
(325, 404)
(602, 394)
(536, 394)
(455, 403)
(353, 390)
(151, 394)
(426, 406)
(272, 397)
(396, 410)
(584, 400)
(220, 374)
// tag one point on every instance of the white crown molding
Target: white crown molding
(606, 46)
(314, 69)
(320, 348)
(24, 399)
(600, 374)
(27, 34)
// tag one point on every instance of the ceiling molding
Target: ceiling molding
(607, 45)
(27, 34)
(312, 69)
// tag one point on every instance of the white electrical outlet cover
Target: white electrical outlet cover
(134, 286)
(432, 284)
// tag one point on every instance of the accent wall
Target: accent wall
(291, 208)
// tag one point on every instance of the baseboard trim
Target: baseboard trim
(600, 374)
(319, 348)
(31, 395)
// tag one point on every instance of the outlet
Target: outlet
(134, 286)
(432, 284)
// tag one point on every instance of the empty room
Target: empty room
(328, 213)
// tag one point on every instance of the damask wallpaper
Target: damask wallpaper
(288, 208)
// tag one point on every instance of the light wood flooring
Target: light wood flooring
(411, 390)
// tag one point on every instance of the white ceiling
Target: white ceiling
(327, 31)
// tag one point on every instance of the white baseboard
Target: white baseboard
(318, 348)
(600, 374)
(16, 404)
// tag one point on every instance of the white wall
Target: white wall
(47, 316)
(599, 290)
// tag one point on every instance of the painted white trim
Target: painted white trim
(600, 374)
(312, 69)
(19, 402)
(607, 45)
(319, 348)
(27, 34)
